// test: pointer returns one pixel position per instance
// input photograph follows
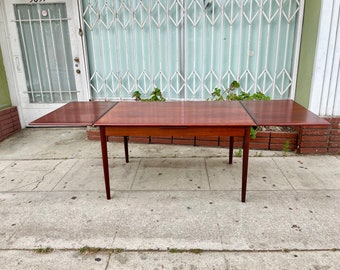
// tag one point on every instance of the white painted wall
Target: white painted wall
(325, 92)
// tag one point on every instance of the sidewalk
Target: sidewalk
(173, 207)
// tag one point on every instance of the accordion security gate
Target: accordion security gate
(188, 47)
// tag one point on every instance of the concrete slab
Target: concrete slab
(68, 220)
(48, 143)
(4, 164)
(34, 175)
(161, 220)
(225, 260)
(311, 172)
(61, 260)
(87, 174)
(14, 211)
(277, 221)
(171, 174)
(263, 174)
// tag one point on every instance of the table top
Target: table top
(281, 113)
(74, 114)
(181, 113)
(176, 113)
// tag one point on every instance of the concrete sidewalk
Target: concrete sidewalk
(173, 207)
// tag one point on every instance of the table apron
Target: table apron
(175, 131)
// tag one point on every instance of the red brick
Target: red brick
(206, 142)
(283, 135)
(183, 142)
(7, 131)
(184, 138)
(315, 138)
(260, 146)
(335, 132)
(334, 144)
(140, 139)
(314, 144)
(263, 134)
(207, 138)
(334, 119)
(115, 139)
(315, 127)
(334, 138)
(315, 132)
(161, 140)
(312, 150)
(334, 150)
(281, 147)
(5, 117)
(13, 109)
(282, 140)
(6, 111)
(260, 140)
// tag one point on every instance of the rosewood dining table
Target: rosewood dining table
(180, 118)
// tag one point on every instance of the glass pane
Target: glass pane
(46, 51)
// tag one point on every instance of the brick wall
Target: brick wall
(9, 122)
(319, 139)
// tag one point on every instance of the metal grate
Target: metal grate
(187, 48)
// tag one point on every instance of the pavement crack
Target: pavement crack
(44, 176)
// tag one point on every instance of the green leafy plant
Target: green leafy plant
(253, 133)
(218, 94)
(156, 95)
(286, 148)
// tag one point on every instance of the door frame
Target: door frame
(18, 89)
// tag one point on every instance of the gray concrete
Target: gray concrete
(168, 202)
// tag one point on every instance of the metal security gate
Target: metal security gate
(188, 47)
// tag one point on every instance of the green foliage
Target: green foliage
(44, 250)
(87, 250)
(218, 94)
(238, 153)
(253, 132)
(286, 148)
(156, 95)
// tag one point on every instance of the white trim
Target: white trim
(325, 88)
(297, 49)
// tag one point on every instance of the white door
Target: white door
(47, 53)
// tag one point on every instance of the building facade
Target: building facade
(56, 51)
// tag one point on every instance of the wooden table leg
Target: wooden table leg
(231, 149)
(246, 139)
(103, 141)
(126, 148)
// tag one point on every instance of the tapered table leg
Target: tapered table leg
(126, 148)
(231, 149)
(246, 139)
(103, 141)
